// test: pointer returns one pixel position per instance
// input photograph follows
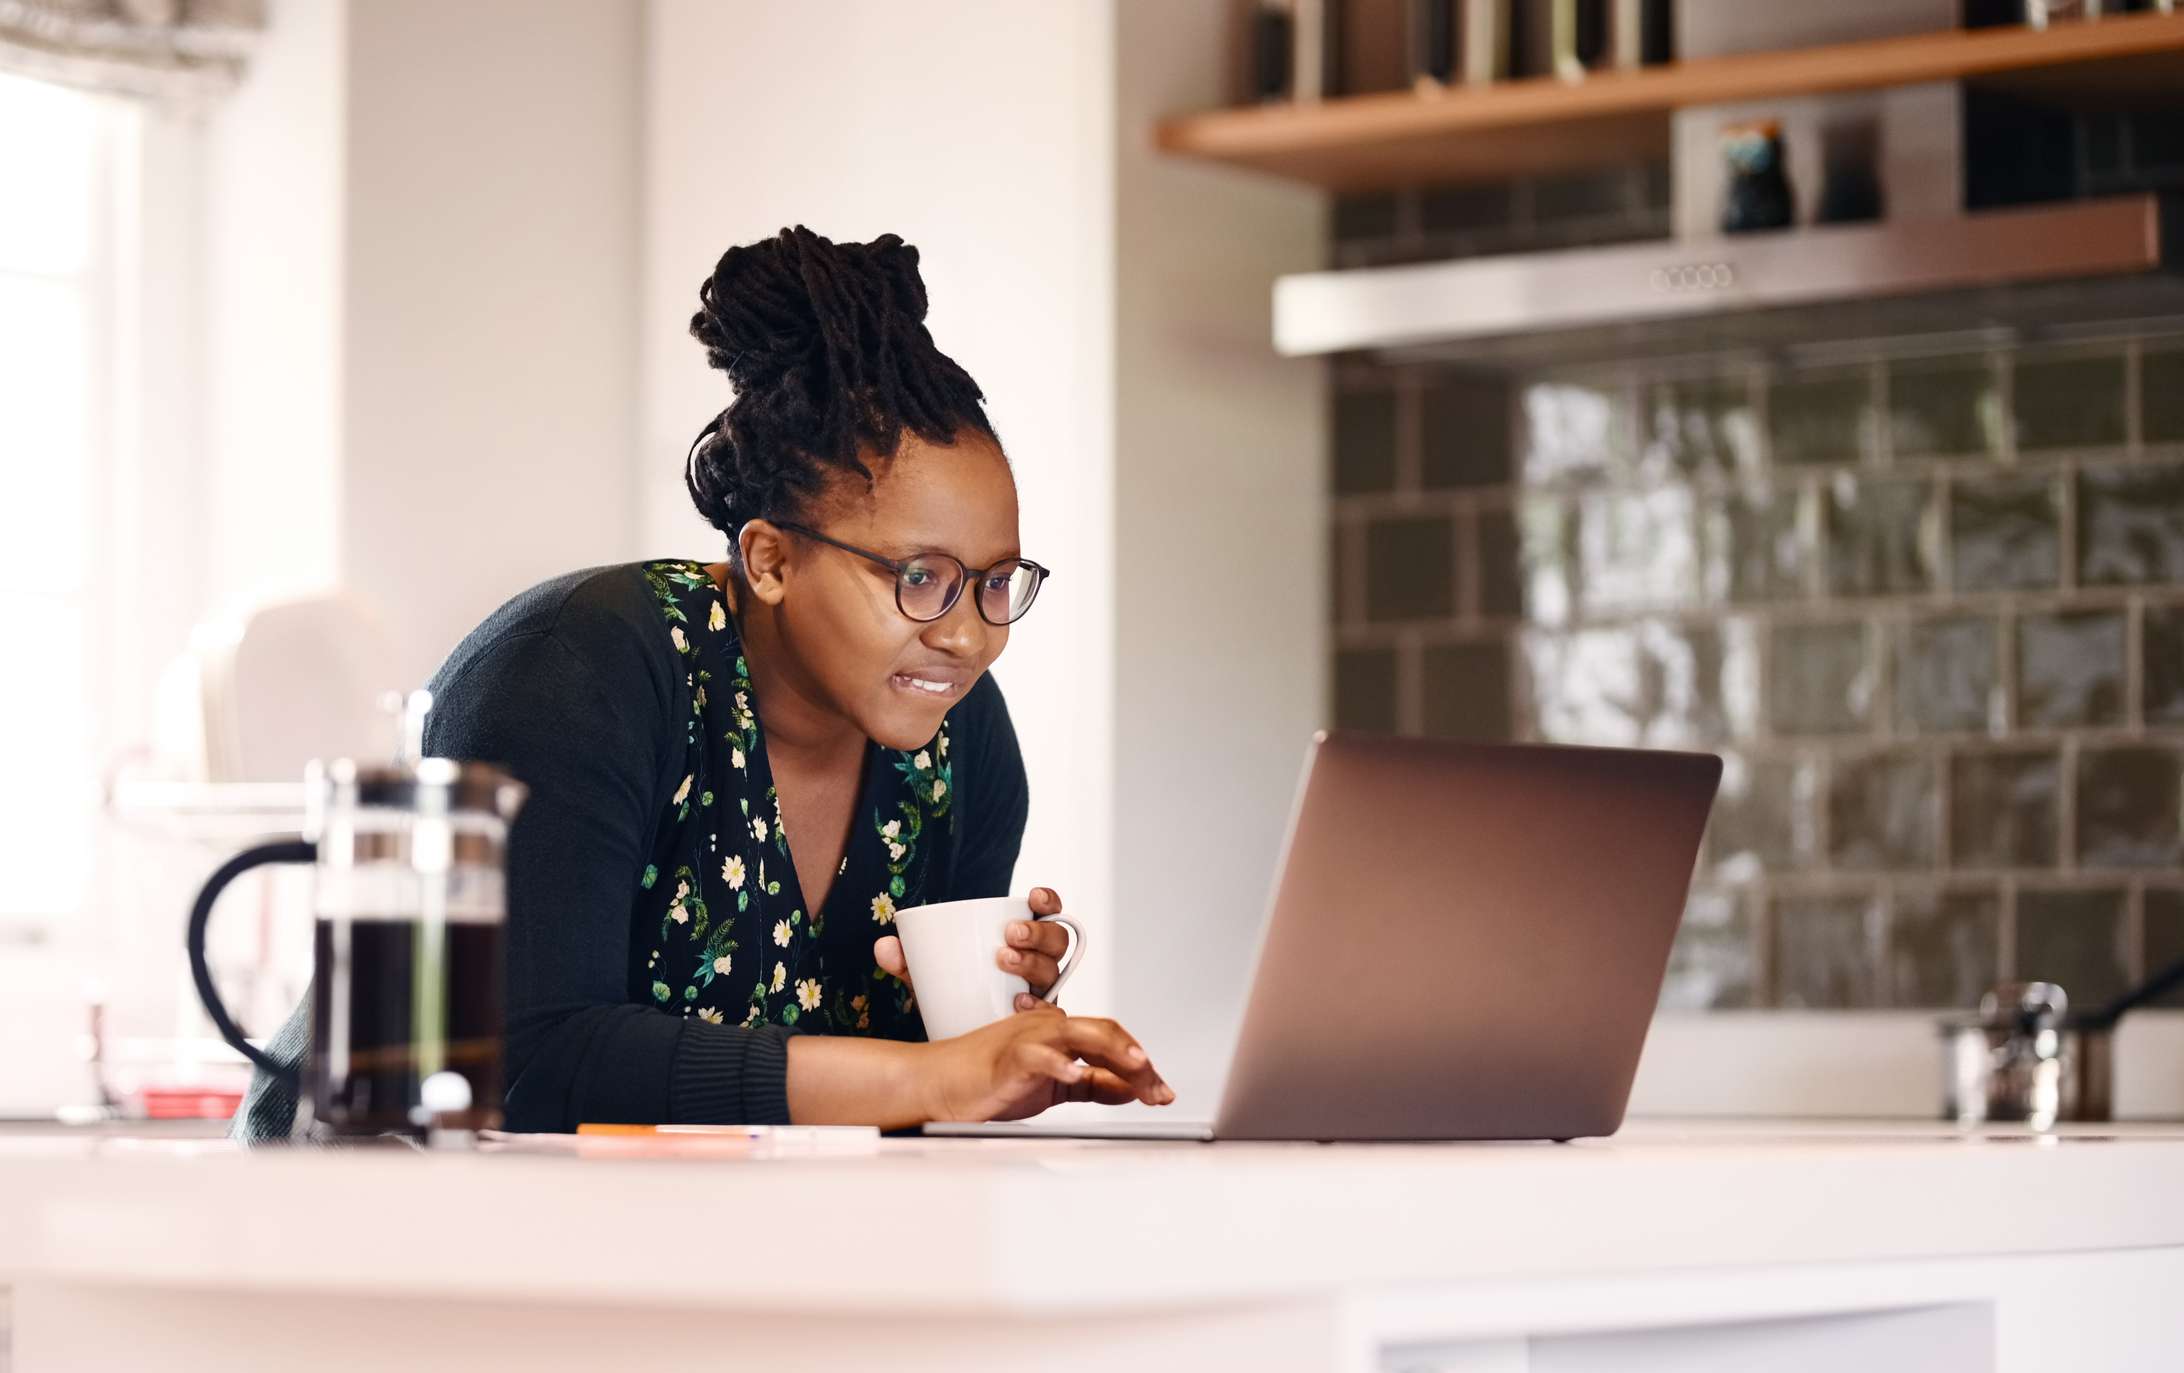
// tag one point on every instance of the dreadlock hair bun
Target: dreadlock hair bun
(826, 346)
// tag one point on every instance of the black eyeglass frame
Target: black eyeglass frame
(900, 565)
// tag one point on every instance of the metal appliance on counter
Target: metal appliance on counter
(2023, 1056)
(407, 994)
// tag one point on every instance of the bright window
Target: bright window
(60, 151)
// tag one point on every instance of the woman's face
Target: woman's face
(853, 650)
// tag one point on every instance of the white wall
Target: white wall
(159, 505)
(489, 366)
(422, 246)
(979, 132)
(273, 309)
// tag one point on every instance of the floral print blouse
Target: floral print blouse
(733, 939)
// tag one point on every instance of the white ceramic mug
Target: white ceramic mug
(951, 947)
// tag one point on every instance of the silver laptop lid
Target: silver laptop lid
(1466, 941)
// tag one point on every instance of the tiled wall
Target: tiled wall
(1928, 605)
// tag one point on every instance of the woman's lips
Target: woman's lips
(918, 684)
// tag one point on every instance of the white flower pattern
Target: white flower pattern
(712, 912)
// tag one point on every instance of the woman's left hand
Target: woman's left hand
(1033, 949)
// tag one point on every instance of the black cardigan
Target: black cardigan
(575, 687)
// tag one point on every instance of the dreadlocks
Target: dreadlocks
(826, 346)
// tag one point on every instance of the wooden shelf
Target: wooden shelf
(1545, 125)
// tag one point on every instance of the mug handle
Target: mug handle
(279, 851)
(1068, 962)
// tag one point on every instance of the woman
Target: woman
(740, 770)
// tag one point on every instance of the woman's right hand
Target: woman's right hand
(1018, 1067)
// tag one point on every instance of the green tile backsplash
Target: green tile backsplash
(1945, 407)
(1946, 674)
(1881, 535)
(1575, 429)
(1760, 544)
(2162, 386)
(2164, 665)
(2005, 534)
(1828, 950)
(2004, 809)
(1692, 425)
(2070, 400)
(2127, 807)
(1365, 689)
(1764, 817)
(1715, 954)
(1466, 690)
(1943, 947)
(1464, 433)
(2077, 937)
(1822, 416)
(2131, 524)
(1930, 609)
(2164, 926)
(1364, 440)
(1828, 688)
(1882, 812)
(2070, 669)
(1501, 565)
(1410, 568)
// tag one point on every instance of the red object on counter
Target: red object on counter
(190, 1103)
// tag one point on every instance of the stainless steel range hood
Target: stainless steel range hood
(2021, 269)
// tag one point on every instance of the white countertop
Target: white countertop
(1146, 1226)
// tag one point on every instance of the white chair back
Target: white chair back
(290, 680)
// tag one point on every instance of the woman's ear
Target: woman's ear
(764, 550)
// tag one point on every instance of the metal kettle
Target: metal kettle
(2026, 1056)
(2019, 1058)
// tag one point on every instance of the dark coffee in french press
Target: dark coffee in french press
(407, 987)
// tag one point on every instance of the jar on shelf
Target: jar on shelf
(1757, 195)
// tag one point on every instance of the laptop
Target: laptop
(1465, 941)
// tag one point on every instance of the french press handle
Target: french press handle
(297, 850)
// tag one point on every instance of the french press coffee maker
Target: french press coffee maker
(410, 912)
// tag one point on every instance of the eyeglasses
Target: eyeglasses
(927, 585)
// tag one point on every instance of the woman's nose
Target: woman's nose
(961, 632)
